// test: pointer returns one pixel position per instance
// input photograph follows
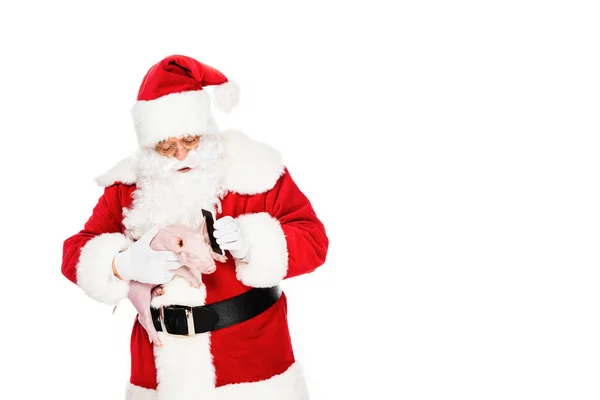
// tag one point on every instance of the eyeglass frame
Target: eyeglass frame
(177, 145)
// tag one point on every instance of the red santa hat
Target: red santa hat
(172, 101)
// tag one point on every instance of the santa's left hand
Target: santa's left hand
(230, 237)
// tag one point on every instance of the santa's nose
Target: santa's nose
(182, 153)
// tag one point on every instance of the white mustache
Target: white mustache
(191, 161)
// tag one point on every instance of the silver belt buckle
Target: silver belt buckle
(162, 320)
(190, 322)
(189, 315)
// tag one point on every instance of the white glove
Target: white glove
(230, 237)
(143, 264)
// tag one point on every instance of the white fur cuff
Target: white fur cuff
(268, 258)
(94, 270)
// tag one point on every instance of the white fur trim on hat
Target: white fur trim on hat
(173, 115)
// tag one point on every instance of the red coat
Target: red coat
(287, 239)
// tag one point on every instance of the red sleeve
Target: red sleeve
(307, 241)
(286, 240)
(87, 255)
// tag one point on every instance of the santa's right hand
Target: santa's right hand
(143, 264)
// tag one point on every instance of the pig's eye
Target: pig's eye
(180, 243)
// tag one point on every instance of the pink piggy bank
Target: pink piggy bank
(192, 248)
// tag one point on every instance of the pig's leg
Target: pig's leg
(188, 275)
(210, 269)
(139, 295)
(158, 291)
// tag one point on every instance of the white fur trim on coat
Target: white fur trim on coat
(289, 385)
(123, 172)
(184, 366)
(268, 257)
(134, 392)
(252, 167)
(94, 269)
(172, 115)
(249, 166)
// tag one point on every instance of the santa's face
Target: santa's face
(179, 148)
(175, 189)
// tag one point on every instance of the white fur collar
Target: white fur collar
(251, 167)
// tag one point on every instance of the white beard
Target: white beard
(165, 196)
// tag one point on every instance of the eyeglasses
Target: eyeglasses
(169, 148)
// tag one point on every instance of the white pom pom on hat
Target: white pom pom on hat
(226, 96)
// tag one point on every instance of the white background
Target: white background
(450, 148)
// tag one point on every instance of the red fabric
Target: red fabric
(253, 350)
(106, 217)
(176, 74)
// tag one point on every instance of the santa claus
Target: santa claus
(228, 338)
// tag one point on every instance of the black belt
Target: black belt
(176, 319)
